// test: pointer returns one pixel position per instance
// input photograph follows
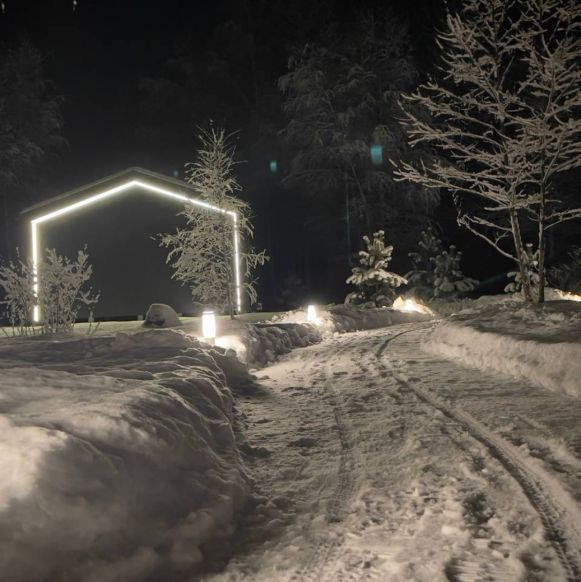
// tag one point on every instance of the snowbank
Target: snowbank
(118, 456)
(262, 343)
(538, 343)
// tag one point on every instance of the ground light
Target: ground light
(111, 192)
(410, 306)
(209, 326)
(312, 314)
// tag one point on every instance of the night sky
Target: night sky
(106, 59)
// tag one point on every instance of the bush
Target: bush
(61, 292)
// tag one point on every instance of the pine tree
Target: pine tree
(375, 284)
(201, 253)
(567, 276)
(421, 277)
(532, 270)
(449, 281)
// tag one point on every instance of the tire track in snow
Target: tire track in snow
(345, 487)
(561, 533)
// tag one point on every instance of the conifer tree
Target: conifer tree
(375, 284)
(449, 280)
(421, 277)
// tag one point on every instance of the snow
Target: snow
(161, 315)
(354, 457)
(119, 459)
(359, 478)
(540, 344)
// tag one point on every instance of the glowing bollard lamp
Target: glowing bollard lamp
(312, 314)
(209, 327)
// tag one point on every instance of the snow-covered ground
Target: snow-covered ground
(537, 343)
(360, 457)
(375, 460)
(118, 458)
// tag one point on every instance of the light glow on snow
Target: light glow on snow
(312, 314)
(106, 194)
(568, 296)
(410, 305)
(209, 325)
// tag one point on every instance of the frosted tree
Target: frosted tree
(421, 276)
(375, 284)
(449, 280)
(567, 276)
(63, 291)
(30, 122)
(202, 253)
(340, 100)
(550, 102)
(532, 270)
(502, 119)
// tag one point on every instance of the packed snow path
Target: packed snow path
(377, 461)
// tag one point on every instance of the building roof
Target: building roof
(88, 190)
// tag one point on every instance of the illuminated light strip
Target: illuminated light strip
(107, 194)
(237, 263)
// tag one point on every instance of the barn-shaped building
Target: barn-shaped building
(119, 219)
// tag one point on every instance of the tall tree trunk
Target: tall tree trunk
(520, 253)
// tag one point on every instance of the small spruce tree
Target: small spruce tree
(531, 260)
(375, 284)
(449, 281)
(567, 276)
(421, 277)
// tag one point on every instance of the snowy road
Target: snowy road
(375, 460)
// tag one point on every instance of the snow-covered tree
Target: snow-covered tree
(503, 119)
(30, 119)
(421, 277)
(202, 252)
(549, 42)
(62, 291)
(516, 284)
(449, 280)
(375, 284)
(340, 99)
(567, 276)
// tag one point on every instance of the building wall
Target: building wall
(128, 265)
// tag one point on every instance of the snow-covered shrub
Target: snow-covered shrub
(449, 281)
(531, 264)
(567, 276)
(62, 291)
(16, 279)
(375, 284)
(421, 277)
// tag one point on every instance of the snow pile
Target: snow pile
(346, 317)
(264, 342)
(161, 315)
(350, 318)
(118, 456)
(539, 343)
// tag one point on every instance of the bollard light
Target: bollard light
(311, 314)
(209, 326)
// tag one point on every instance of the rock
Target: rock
(161, 315)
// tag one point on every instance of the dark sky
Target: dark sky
(97, 54)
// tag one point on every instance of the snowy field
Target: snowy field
(360, 456)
